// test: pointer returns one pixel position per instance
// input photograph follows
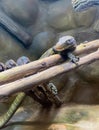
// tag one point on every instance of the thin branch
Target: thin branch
(30, 82)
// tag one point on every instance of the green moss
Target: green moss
(74, 116)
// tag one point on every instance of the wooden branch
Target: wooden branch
(30, 82)
(28, 69)
(36, 66)
(86, 48)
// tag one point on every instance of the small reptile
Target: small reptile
(81, 5)
(65, 45)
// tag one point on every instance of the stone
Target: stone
(41, 42)
(85, 18)
(60, 15)
(49, 0)
(81, 35)
(23, 11)
(90, 73)
(10, 48)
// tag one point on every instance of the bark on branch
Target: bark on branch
(42, 64)
(86, 48)
(28, 69)
(31, 81)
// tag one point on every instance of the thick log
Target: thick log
(36, 66)
(30, 82)
(16, 30)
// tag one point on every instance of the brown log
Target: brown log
(36, 66)
(29, 82)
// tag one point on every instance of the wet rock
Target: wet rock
(96, 22)
(23, 11)
(49, 0)
(60, 15)
(41, 42)
(47, 19)
(36, 118)
(85, 18)
(81, 86)
(81, 34)
(10, 48)
(96, 26)
(90, 73)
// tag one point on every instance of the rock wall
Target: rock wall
(46, 21)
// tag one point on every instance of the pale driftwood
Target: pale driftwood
(36, 66)
(15, 29)
(86, 48)
(30, 82)
(28, 69)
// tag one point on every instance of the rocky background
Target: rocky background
(46, 21)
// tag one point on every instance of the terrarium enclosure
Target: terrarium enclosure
(49, 64)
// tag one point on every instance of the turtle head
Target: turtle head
(65, 43)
